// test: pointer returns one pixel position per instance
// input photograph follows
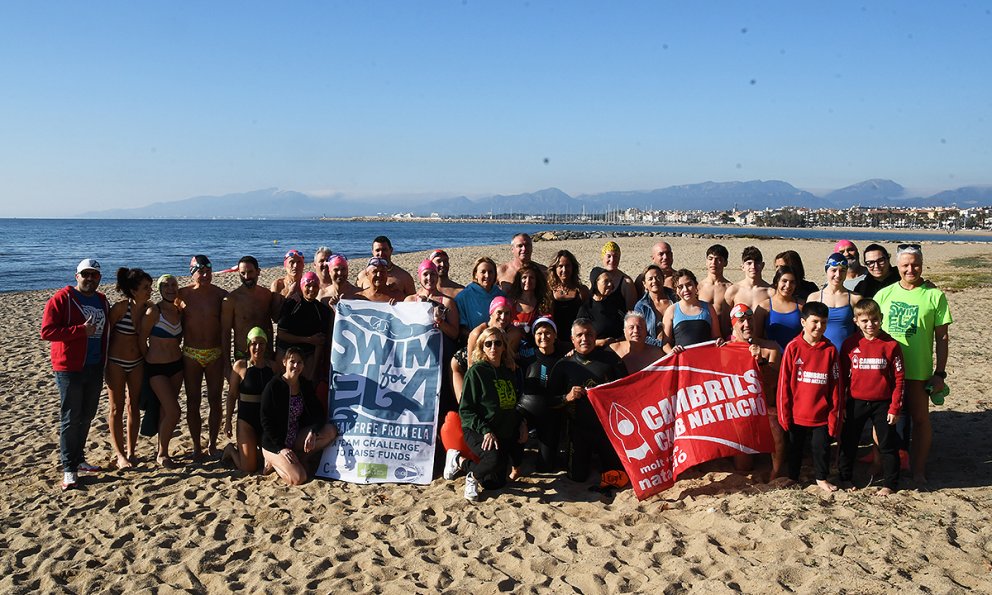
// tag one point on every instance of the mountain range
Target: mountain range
(706, 196)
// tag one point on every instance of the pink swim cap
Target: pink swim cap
(337, 260)
(426, 264)
(308, 278)
(500, 302)
(840, 245)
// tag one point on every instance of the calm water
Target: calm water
(43, 253)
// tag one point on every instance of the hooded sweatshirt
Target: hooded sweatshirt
(64, 326)
(810, 389)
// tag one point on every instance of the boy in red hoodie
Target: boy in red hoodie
(810, 395)
(871, 365)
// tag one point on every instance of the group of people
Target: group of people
(522, 344)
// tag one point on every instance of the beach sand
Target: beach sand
(206, 528)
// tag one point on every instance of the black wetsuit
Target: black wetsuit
(304, 319)
(606, 315)
(550, 408)
(586, 433)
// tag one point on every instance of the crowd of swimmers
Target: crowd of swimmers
(866, 343)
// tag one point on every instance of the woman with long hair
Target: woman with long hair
(567, 292)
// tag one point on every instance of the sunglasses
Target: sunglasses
(89, 274)
(908, 247)
(495, 343)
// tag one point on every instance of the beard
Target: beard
(249, 283)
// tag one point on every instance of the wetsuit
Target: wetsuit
(549, 408)
(606, 315)
(586, 434)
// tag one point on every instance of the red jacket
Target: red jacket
(810, 389)
(64, 325)
(873, 369)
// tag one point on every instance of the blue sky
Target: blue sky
(118, 104)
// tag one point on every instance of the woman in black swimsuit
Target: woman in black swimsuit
(161, 334)
(567, 291)
(125, 371)
(248, 379)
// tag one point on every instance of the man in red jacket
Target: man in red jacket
(74, 323)
(810, 395)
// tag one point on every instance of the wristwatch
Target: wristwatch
(941, 374)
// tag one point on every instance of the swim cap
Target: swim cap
(611, 246)
(198, 262)
(843, 244)
(425, 265)
(294, 253)
(438, 252)
(308, 278)
(257, 333)
(545, 320)
(375, 261)
(738, 312)
(594, 274)
(164, 278)
(835, 260)
(337, 260)
(500, 302)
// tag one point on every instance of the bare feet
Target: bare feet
(267, 469)
(883, 493)
(826, 486)
(514, 473)
(123, 462)
(848, 486)
(166, 463)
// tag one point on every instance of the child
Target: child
(872, 367)
(810, 395)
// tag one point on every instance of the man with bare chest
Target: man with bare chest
(521, 247)
(397, 280)
(752, 289)
(634, 351)
(243, 309)
(713, 288)
(663, 256)
(444, 284)
(202, 351)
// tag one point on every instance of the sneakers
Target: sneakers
(69, 480)
(453, 464)
(471, 488)
(85, 467)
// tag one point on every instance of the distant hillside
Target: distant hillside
(274, 203)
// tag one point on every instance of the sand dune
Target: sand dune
(206, 528)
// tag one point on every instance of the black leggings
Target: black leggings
(819, 440)
(860, 412)
(491, 469)
(585, 437)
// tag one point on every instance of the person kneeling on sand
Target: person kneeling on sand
(294, 426)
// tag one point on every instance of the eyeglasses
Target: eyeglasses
(876, 263)
(494, 343)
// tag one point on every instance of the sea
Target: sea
(43, 253)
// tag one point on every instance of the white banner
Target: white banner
(384, 386)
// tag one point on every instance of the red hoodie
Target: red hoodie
(64, 325)
(873, 369)
(810, 387)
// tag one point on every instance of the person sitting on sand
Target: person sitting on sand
(202, 303)
(125, 365)
(377, 274)
(75, 323)
(635, 352)
(249, 378)
(340, 288)
(521, 249)
(542, 410)
(567, 290)
(752, 289)
(810, 395)
(294, 428)
(161, 332)
(493, 428)
(444, 284)
(622, 282)
(399, 282)
(769, 356)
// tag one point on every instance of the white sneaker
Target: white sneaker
(69, 480)
(452, 464)
(471, 488)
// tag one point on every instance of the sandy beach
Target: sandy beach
(205, 528)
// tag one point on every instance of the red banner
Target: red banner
(685, 409)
